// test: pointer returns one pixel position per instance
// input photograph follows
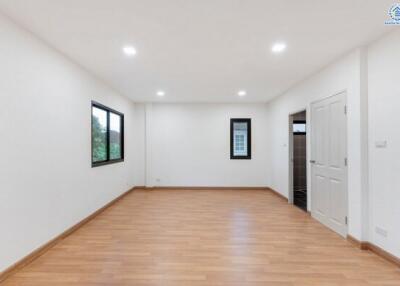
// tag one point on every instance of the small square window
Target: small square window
(240, 138)
(299, 127)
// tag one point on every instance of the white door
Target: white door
(329, 162)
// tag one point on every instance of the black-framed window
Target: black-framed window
(241, 138)
(107, 135)
(299, 127)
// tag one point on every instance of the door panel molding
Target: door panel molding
(329, 172)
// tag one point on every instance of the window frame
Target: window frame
(108, 110)
(240, 120)
(299, 122)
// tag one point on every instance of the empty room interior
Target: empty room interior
(199, 143)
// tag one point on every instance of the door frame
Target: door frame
(290, 155)
(312, 191)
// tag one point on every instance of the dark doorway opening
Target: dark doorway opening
(299, 129)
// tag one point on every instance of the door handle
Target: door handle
(312, 161)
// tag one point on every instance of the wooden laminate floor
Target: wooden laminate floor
(205, 237)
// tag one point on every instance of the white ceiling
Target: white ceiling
(204, 50)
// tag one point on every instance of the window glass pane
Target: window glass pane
(240, 139)
(299, 127)
(99, 134)
(115, 136)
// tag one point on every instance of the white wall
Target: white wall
(384, 106)
(188, 145)
(139, 150)
(46, 180)
(342, 75)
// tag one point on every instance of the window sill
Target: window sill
(240, 157)
(99, 164)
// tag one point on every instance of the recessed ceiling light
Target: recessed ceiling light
(278, 47)
(160, 93)
(129, 51)
(242, 93)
